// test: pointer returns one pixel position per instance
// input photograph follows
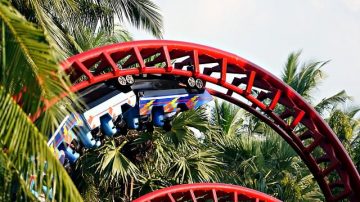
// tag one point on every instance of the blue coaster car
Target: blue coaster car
(76, 125)
(73, 128)
(161, 105)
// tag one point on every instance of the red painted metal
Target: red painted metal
(206, 191)
(268, 98)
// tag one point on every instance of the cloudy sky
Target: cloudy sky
(266, 31)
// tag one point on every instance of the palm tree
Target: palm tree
(86, 39)
(346, 125)
(305, 78)
(28, 63)
(63, 20)
(343, 121)
(302, 79)
(258, 159)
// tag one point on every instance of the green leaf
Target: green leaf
(114, 166)
(23, 142)
(32, 67)
(333, 101)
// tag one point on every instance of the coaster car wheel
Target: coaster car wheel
(122, 80)
(191, 82)
(129, 79)
(199, 84)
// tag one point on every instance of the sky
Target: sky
(266, 31)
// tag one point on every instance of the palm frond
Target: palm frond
(163, 147)
(31, 66)
(141, 13)
(328, 103)
(12, 180)
(55, 17)
(114, 166)
(86, 39)
(64, 19)
(152, 178)
(305, 79)
(181, 132)
(308, 78)
(198, 166)
(228, 117)
(23, 142)
(291, 67)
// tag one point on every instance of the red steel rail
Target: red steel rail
(236, 80)
(205, 192)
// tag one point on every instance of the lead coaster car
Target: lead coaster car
(159, 106)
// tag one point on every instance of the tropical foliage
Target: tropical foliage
(65, 20)
(29, 73)
(35, 36)
(262, 161)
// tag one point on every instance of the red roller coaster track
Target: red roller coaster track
(276, 104)
(206, 192)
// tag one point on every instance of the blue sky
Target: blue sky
(266, 31)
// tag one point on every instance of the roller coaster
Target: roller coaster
(144, 84)
(113, 107)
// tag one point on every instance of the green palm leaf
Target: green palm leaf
(182, 132)
(302, 79)
(163, 148)
(197, 166)
(141, 13)
(228, 117)
(31, 63)
(291, 67)
(21, 140)
(329, 103)
(114, 166)
(64, 19)
(10, 177)
(85, 39)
